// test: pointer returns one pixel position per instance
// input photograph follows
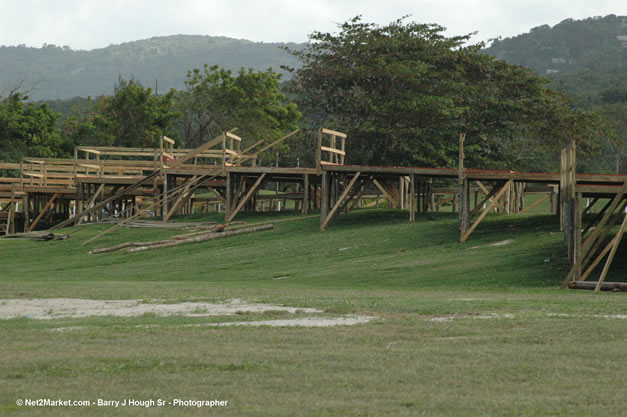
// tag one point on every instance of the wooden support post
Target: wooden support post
(229, 194)
(412, 198)
(324, 195)
(243, 200)
(485, 191)
(26, 211)
(385, 192)
(181, 197)
(305, 208)
(535, 204)
(487, 209)
(339, 201)
(92, 201)
(592, 242)
(577, 235)
(43, 211)
(610, 258)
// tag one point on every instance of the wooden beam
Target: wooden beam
(590, 246)
(485, 212)
(245, 199)
(43, 211)
(339, 201)
(587, 209)
(610, 258)
(385, 192)
(597, 217)
(180, 197)
(333, 132)
(91, 201)
(485, 191)
(535, 204)
(265, 148)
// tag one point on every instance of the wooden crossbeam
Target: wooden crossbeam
(488, 197)
(596, 232)
(610, 258)
(218, 195)
(43, 211)
(265, 148)
(245, 199)
(597, 260)
(339, 201)
(102, 204)
(596, 218)
(485, 191)
(485, 212)
(535, 204)
(587, 209)
(362, 190)
(385, 192)
(180, 197)
(586, 258)
(91, 201)
(591, 244)
(215, 141)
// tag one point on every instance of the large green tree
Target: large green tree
(215, 100)
(132, 117)
(27, 129)
(405, 92)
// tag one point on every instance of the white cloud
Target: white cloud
(87, 24)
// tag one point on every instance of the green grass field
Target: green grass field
(471, 329)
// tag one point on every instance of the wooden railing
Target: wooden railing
(335, 152)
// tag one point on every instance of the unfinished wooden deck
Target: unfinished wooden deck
(100, 182)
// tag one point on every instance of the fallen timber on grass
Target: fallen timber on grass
(144, 246)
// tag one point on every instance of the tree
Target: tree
(252, 101)
(136, 117)
(132, 117)
(27, 129)
(404, 92)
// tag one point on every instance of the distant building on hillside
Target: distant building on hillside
(622, 40)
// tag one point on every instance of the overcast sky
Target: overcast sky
(90, 24)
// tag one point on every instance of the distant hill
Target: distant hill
(570, 46)
(60, 72)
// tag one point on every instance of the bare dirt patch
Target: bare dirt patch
(55, 308)
(59, 308)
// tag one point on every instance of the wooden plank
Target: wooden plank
(605, 286)
(42, 212)
(485, 212)
(598, 259)
(385, 192)
(167, 139)
(92, 201)
(327, 149)
(181, 196)
(591, 244)
(265, 148)
(245, 199)
(485, 191)
(339, 201)
(232, 136)
(610, 258)
(334, 133)
(535, 204)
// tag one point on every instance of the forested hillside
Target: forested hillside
(58, 72)
(587, 61)
(570, 46)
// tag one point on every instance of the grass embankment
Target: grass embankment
(461, 329)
